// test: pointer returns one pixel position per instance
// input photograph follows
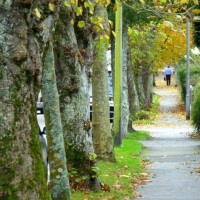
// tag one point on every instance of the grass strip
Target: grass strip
(118, 178)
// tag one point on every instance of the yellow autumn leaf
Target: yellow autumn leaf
(124, 176)
(114, 8)
(91, 12)
(142, 1)
(81, 24)
(72, 22)
(114, 33)
(101, 26)
(111, 23)
(37, 13)
(74, 2)
(106, 3)
(168, 24)
(51, 7)
(106, 37)
(184, 1)
(196, 11)
(196, 2)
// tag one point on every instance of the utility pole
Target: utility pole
(188, 69)
(118, 74)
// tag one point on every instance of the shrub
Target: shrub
(194, 77)
(195, 114)
(141, 115)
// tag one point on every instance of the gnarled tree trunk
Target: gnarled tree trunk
(22, 173)
(73, 57)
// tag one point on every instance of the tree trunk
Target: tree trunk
(125, 103)
(103, 140)
(145, 85)
(22, 172)
(134, 105)
(133, 99)
(60, 188)
(140, 89)
(73, 56)
(118, 76)
(148, 87)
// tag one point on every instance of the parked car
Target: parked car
(111, 104)
(40, 103)
(110, 92)
(43, 143)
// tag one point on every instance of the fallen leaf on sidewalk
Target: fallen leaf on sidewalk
(144, 174)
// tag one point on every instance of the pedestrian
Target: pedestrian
(167, 74)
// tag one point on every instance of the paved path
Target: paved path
(174, 157)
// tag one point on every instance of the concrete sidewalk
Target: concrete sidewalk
(174, 157)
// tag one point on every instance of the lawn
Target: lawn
(119, 179)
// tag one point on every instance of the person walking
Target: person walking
(167, 74)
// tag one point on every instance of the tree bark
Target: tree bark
(103, 140)
(145, 86)
(73, 57)
(118, 76)
(133, 98)
(59, 181)
(125, 103)
(22, 173)
(134, 105)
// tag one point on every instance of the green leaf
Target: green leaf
(94, 20)
(66, 3)
(89, 5)
(79, 11)
(86, 4)
(81, 24)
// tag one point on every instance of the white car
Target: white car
(40, 103)
(111, 104)
(41, 123)
(43, 143)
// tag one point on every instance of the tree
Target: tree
(118, 75)
(140, 39)
(73, 59)
(125, 102)
(130, 16)
(28, 30)
(165, 47)
(22, 173)
(133, 98)
(103, 140)
(59, 180)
